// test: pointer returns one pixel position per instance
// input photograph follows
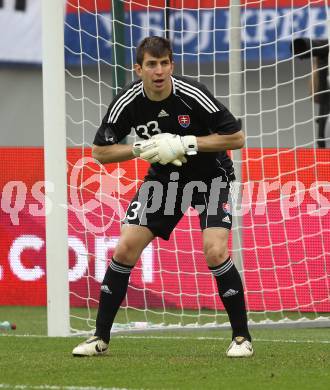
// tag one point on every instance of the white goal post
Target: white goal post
(244, 53)
(58, 319)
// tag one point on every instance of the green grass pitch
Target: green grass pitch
(284, 359)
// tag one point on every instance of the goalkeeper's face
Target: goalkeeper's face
(156, 76)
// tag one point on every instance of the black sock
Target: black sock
(113, 291)
(231, 292)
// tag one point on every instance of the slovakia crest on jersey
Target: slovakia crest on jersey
(184, 120)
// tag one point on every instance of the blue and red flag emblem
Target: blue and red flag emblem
(184, 120)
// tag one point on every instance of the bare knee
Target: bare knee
(215, 253)
(133, 240)
(126, 253)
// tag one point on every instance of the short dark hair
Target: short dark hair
(156, 46)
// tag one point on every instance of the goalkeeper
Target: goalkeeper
(184, 134)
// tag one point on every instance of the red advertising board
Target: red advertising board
(284, 214)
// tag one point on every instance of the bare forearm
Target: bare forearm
(217, 142)
(112, 153)
(209, 143)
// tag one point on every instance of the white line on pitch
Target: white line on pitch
(23, 335)
(225, 339)
(55, 387)
(290, 341)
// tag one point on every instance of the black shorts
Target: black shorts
(160, 206)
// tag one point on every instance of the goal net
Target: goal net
(282, 221)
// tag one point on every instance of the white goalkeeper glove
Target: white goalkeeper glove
(142, 146)
(171, 148)
(178, 161)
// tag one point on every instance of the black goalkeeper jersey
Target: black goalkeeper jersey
(189, 110)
